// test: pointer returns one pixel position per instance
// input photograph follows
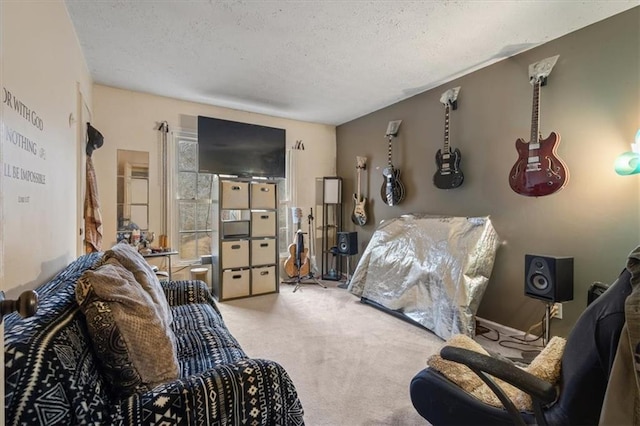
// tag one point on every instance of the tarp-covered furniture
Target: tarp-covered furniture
(432, 270)
(54, 376)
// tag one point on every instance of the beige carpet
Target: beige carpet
(351, 363)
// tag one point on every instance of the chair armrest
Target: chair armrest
(248, 391)
(538, 389)
(184, 292)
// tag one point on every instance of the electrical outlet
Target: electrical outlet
(557, 307)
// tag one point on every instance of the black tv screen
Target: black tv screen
(241, 149)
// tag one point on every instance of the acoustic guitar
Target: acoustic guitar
(392, 191)
(297, 263)
(448, 175)
(538, 171)
(359, 215)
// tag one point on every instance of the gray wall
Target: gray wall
(592, 100)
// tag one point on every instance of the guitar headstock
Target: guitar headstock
(450, 97)
(361, 163)
(296, 212)
(539, 71)
(393, 128)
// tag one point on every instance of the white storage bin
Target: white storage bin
(263, 224)
(263, 252)
(235, 195)
(235, 283)
(235, 254)
(263, 280)
(263, 195)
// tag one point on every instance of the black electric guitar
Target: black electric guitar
(359, 215)
(392, 190)
(538, 171)
(448, 175)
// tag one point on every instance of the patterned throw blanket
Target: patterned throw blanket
(53, 377)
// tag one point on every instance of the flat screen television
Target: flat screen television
(240, 149)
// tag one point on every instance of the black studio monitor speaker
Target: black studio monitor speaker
(548, 278)
(347, 243)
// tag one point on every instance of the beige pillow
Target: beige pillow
(545, 366)
(129, 257)
(127, 332)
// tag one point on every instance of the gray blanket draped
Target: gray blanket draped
(92, 216)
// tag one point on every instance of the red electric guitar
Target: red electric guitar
(538, 171)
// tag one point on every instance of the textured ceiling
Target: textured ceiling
(319, 61)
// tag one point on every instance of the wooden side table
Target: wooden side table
(166, 254)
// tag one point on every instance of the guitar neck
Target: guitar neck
(390, 152)
(446, 129)
(535, 120)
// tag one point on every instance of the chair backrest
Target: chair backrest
(588, 356)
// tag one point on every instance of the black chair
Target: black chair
(586, 364)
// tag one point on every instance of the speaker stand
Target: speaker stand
(547, 323)
(346, 283)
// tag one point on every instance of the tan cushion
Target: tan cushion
(127, 332)
(459, 374)
(545, 366)
(129, 257)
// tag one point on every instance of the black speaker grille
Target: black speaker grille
(548, 278)
(540, 282)
(347, 243)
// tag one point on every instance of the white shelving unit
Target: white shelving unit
(245, 243)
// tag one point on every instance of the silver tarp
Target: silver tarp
(431, 269)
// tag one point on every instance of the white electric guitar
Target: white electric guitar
(359, 215)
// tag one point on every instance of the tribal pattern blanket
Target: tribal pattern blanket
(53, 377)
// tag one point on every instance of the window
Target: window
(284, 233)
(193, 201)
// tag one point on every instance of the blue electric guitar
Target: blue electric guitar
(359, 215)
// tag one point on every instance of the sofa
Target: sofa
(57, 370)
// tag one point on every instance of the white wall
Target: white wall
(41, 65)
(43, 68)
(129, 120)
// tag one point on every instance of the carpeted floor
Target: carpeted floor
(351, 363)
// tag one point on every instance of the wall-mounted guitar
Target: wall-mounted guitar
(359, 215)
(448, 175)
(538, 171)
(392, 190)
